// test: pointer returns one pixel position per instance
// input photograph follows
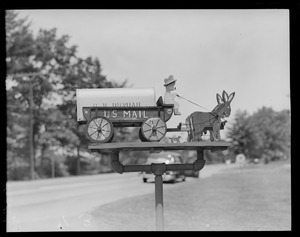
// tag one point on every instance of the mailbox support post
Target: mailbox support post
(159, 203)
(157, 168)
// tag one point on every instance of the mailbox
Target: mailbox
(103, 109)
(113, 97)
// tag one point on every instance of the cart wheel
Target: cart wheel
(99, 129)
(153, 129)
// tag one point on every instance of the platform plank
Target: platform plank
(150, 146)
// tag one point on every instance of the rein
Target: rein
(211, 112)
(192, 102)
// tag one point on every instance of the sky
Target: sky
(207, 51)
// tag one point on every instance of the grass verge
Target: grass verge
(256, 197)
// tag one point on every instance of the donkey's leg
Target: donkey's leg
(216, 132)
(196, 137)
(199, 137)
(211, 134)
(218, 136)
(199, 133)
(189, 121)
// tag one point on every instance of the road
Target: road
(66, 203)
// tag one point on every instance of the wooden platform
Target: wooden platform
(154, 146)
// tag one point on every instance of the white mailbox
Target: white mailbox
(113, 97)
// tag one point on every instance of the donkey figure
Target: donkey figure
(200, 122)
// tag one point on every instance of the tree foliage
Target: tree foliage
(56, 134)
(265, 134)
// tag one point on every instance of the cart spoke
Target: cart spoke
(157, 122)
(103, 134)
(160, 132)
(91, 127)
(95, 123)
(147, 134)
(153, 134)
(104, 125)
(148, 125)
(147, 130)
(91, 134)
(101, 123)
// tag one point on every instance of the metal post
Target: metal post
(200, 154)
(159, 206)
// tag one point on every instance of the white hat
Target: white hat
(169, 80)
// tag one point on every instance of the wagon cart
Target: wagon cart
(136, 110)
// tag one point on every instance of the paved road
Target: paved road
(66, 203)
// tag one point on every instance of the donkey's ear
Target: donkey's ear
(219, 99)
(225, 96)
(231, 96)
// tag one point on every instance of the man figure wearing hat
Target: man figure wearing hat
(169, 97)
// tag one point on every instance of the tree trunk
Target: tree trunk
(78, 168)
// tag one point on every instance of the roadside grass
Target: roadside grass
(256, 197)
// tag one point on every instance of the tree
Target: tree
(242, 134)
(19, 41)
(265, 134)
(272, 132)
(54, 108)
(28, 54)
